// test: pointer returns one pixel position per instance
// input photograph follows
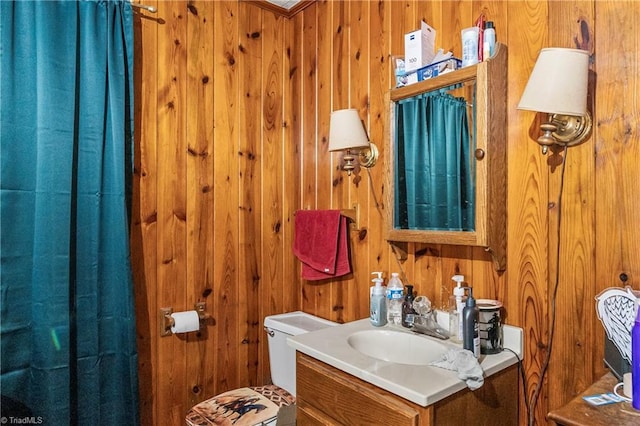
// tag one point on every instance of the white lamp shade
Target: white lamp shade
(558, 83)
(346, 131)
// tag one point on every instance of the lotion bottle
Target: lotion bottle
(456, 305)
(489, 41)
(377, 302)
(470, 326)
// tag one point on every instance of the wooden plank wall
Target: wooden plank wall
(232, 123)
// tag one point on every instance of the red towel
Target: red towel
(321, 243)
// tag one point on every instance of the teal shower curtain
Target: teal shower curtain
(67, 323)
(434, 164)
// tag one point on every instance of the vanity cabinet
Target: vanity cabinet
(328, 396)
(487, 82)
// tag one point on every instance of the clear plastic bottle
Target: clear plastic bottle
(470, 46)
(456, 305)
(395, 296)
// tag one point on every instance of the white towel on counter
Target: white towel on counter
(465, 364)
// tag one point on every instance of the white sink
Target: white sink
(396, 346)
(396, 359)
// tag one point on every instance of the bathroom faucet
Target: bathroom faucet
(427, 324)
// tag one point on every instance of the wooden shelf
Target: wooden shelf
(580, 413)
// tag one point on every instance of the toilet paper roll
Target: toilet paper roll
(185, 322)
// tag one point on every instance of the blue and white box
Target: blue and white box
(430, 71)
(438, 68)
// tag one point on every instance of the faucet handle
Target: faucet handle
(422, 305)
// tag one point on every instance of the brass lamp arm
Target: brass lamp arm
(565, 130)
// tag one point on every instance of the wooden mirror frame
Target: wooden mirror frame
(490, 228)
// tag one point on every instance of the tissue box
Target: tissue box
(442, 67)
(419, 47)
(406, 79)
(430, 71)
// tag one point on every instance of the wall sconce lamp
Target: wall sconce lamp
(558, 86)
(346, 133)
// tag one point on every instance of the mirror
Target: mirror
(434, 177)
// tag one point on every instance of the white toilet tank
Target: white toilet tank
(282, 357)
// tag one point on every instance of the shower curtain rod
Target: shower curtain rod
(151, 9)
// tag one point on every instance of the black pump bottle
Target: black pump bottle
(470, 326)
(407, 308)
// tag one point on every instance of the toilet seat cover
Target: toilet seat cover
(240, 407)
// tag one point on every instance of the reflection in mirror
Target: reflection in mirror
(434, 169)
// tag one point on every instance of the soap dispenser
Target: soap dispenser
(470, 325)
(378, 302)
(456, 305)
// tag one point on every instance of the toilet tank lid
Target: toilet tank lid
(298, 322)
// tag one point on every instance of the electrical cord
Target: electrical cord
(615, 390)
(523, 377)
(536, 393)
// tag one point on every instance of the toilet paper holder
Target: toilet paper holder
(167, 321)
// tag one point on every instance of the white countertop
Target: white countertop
(423, 385)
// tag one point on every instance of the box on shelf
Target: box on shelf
(430, 71)
(442, 67)
(419, 47)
